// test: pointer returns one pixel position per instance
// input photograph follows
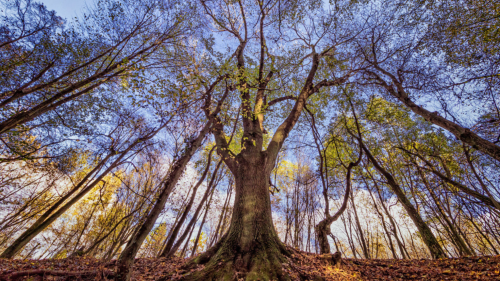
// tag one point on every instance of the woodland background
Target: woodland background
(95, 110)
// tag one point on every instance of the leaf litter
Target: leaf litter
(300, 266)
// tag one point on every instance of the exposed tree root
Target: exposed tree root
(266, 261)
(225, 261)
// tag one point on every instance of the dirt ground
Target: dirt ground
(301, 266)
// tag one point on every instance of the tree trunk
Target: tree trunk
(425, 232)
(322, 231)
(126, 259)
(169, 252)
(51, 215)
(60, 206)
(462, 247)
(222, 216)
(198, 235)
(177, 227)
(384, 226)
(488, 200)
(184, 249)
(251, 248)
(463, 134)
(323, 227)
(362, 239)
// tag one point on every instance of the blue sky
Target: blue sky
(65, 8)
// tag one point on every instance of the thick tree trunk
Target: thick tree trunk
(322, 232)
(251, 248)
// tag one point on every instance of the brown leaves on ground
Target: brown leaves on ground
(79, 268)
(307, 266)
(300, 266)
(467, 268)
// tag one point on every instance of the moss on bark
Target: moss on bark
(251, 249)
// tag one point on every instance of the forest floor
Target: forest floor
(302, 266)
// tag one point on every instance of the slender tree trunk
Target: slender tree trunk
(402, 250)
(183, 252)
(126, 259)
(463, 134)
(323, 227)
(117, 243)
(177, 227)
(177, 217)
(366, 253)
(454, 234)
(481, 183)
(193, 220)
(207, 208)
(424, 230)
(222, 216)
(349, 237)
(53, 213)
(384, 226)
(489, 200)
(125, 220)
(336, 244)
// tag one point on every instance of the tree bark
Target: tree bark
(178, 225)
(251, 246)
(170, 251)
(424, 230)
(461, 133)
(126, 259)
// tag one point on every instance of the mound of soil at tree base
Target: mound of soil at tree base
(301, 266)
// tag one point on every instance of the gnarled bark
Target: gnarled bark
(251, 248)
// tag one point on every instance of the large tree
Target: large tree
(262, 68)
